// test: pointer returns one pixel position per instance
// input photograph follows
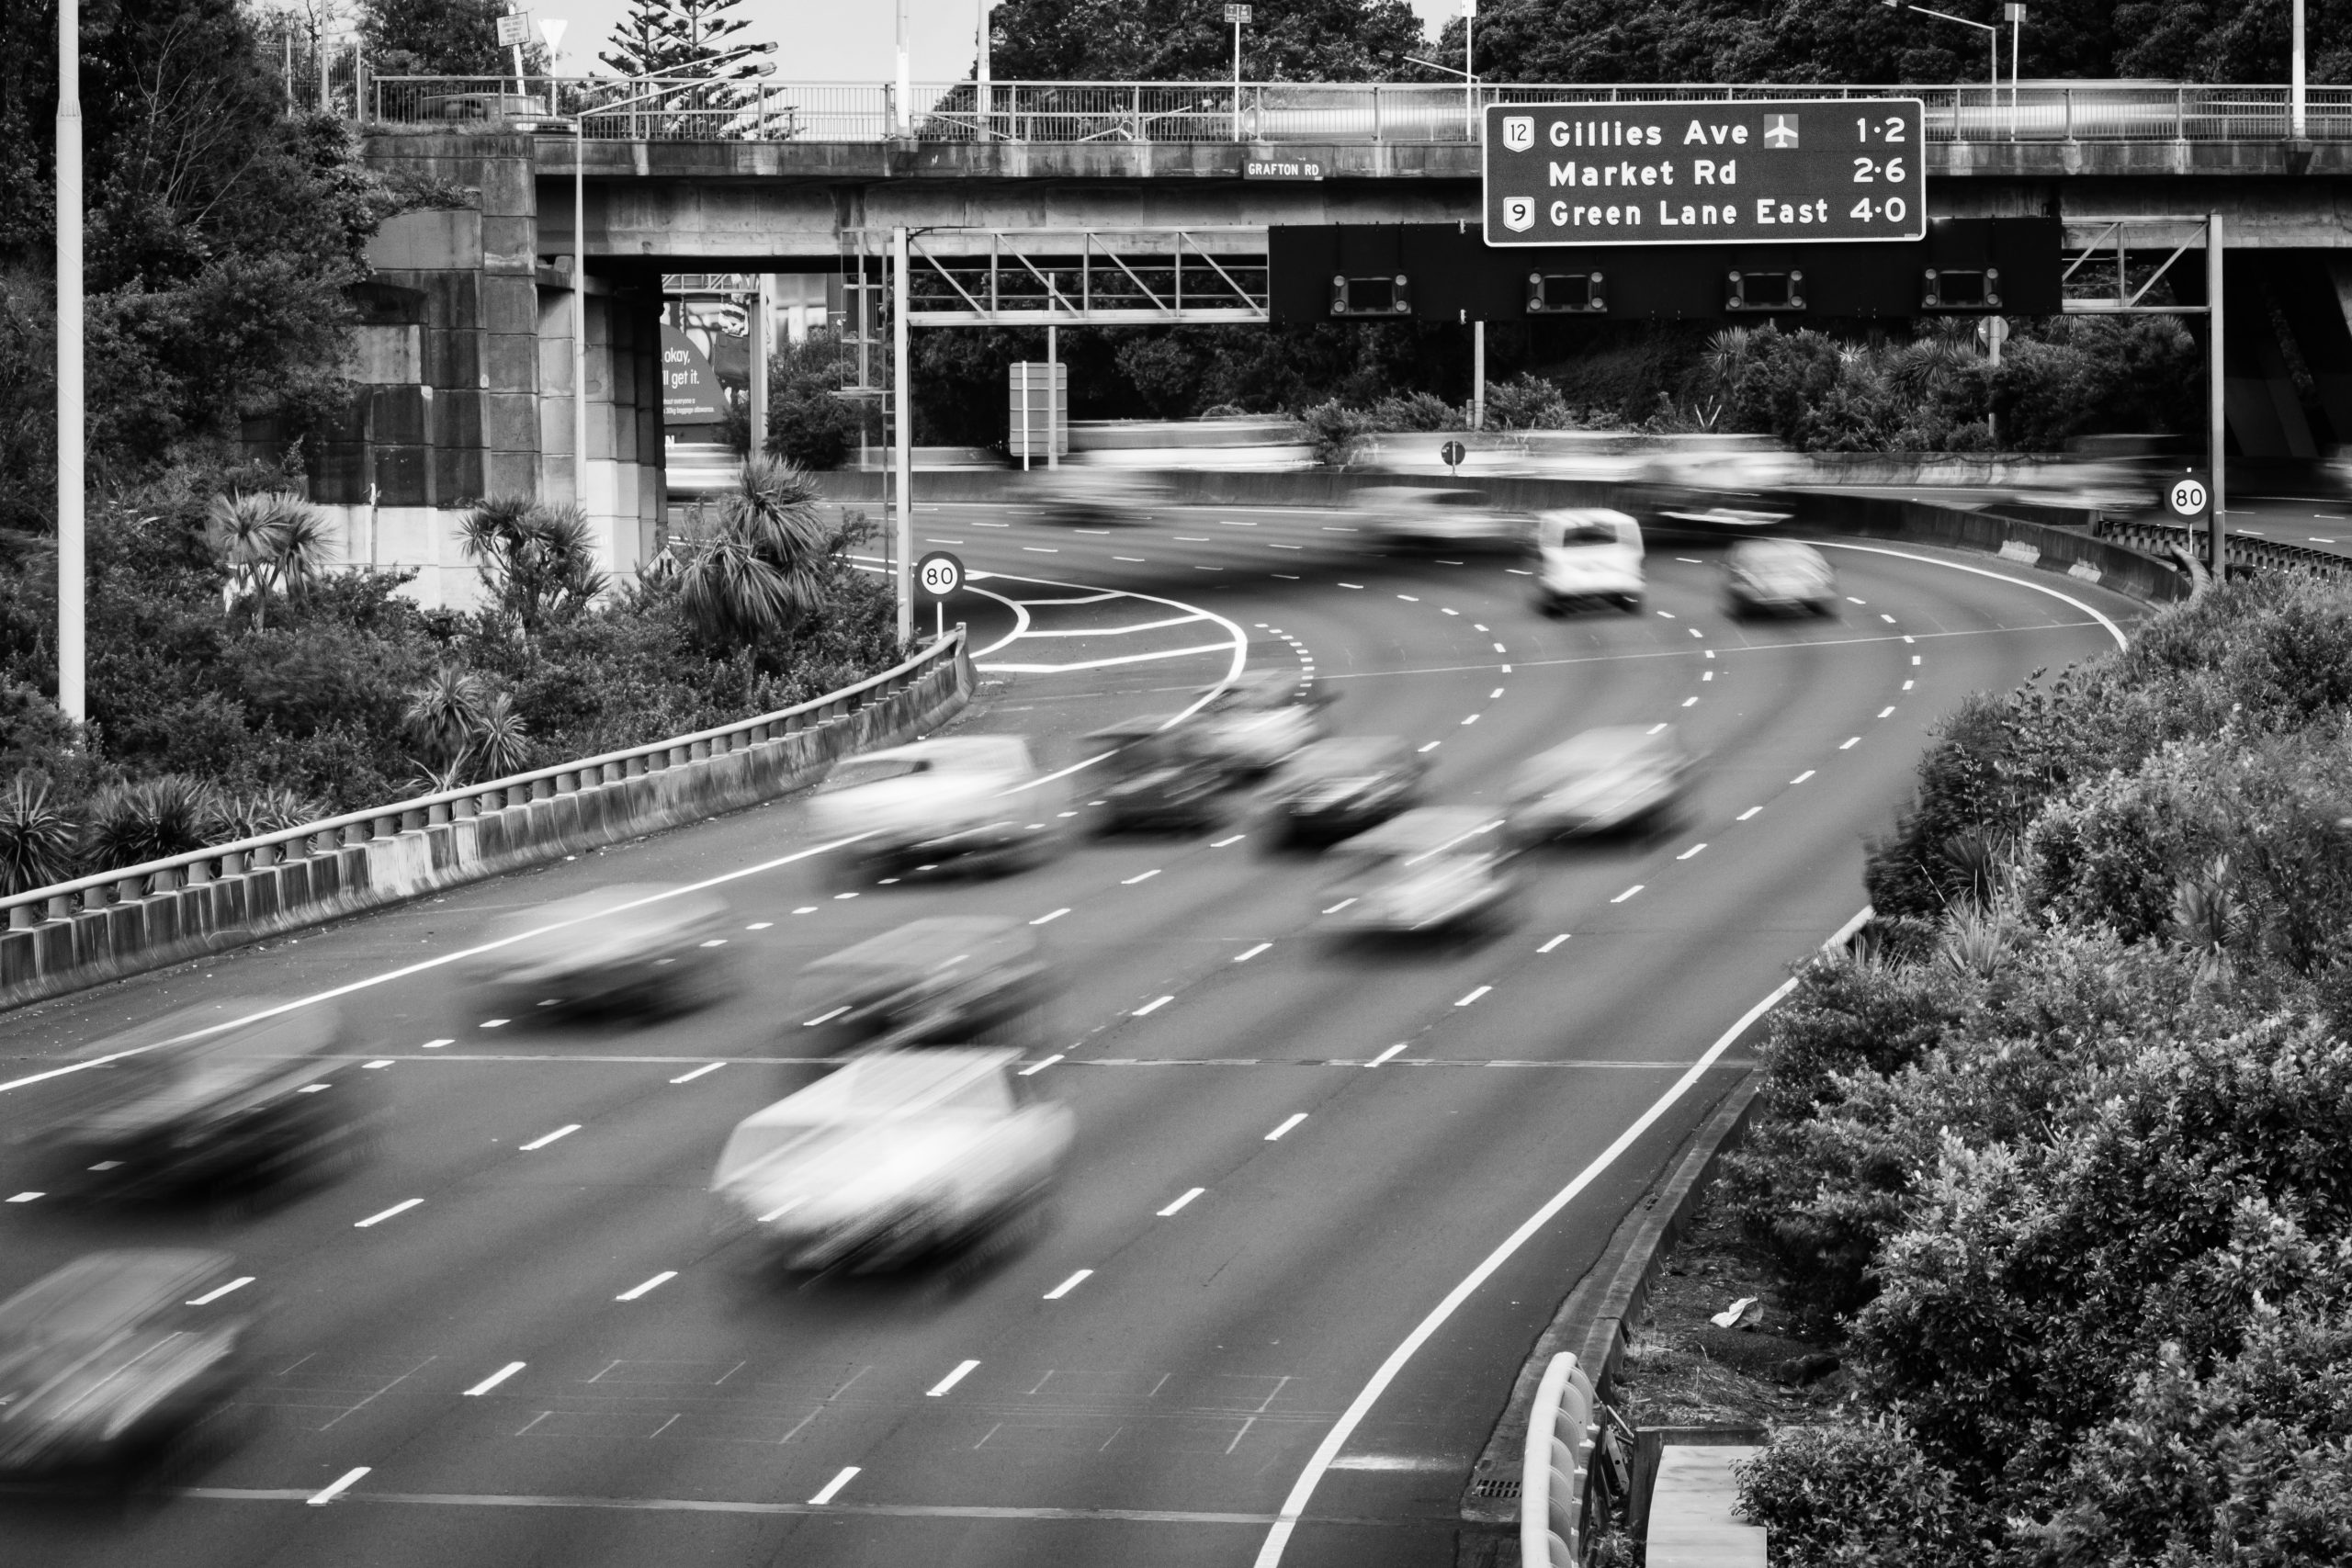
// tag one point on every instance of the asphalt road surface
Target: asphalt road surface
(1288, 1155)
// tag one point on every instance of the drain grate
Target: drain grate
(1495, 1488)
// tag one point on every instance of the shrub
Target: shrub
(1526, 402)
(151, 820)
(1861, 1495)
(37, 838)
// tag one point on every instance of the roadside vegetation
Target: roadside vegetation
(2061, 1150)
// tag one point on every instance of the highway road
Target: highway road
(511, 1338)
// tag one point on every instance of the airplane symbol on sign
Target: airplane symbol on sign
(1780, 130)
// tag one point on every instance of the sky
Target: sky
(829, 40)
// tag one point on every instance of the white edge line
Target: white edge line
(2112, 629)
(1294, 1505)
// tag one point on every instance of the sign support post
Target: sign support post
(905, 453)
(70, 496)
(1477, 375)
(1053, 358)
(2216, 414)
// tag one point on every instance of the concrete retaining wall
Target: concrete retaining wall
(404, 860)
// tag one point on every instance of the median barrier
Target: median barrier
(75, 934)
(1562, 1435)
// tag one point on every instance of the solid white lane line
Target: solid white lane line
(1287, 1124)
(403, 1207)
(1252, 952)
(552, 1137)
(1050, 915)
(655, 1283)
(1151, 1006)
(1746, 814)
(1802, 777)
(1474, 996)
(214, 1294)
(338, 1486)
(1386, 1056)
(963, 1370)
(1146, 876)
(1636, 888)
(1691, 851)
(698, 1072)
(1270, 1554)
(1067, 1286)
(832, 1488)
(2112, 629)
(1040, 1066)
(1554, 943)
(1180, 1202)
(492, 1382)
(824, 1016)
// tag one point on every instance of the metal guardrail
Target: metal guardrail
(1300, 112)
(63, 900)
(1562, 1432)
(2243, 552)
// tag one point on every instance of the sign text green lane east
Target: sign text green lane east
(1705, 172)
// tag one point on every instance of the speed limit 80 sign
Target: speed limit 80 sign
(2188, 497)
(939, 574)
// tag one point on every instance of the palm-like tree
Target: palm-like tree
(37, 839)
(502, 741)
(538, 561)
(446, 711)
(269, 542)
(768, 564)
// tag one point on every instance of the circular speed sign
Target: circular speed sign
(939, 574)
(2187, 497)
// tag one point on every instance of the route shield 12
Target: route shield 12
(939, 574)
(1706, 172)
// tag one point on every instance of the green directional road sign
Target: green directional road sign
(1706, 172)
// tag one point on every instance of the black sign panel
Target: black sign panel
(1706, 172)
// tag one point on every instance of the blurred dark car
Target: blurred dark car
(258, 1105)
(1162, 778)
(948, 980)
(120, 1362)
(1340, 787)
(620, 949)
(1768, 576)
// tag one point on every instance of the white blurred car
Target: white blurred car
(1767, 575)
(968, 800)
(1427, 515)
(897, 1157)
(1437, 870)
(1260, 722)
(619, 948)
(1588, 555)
(1606, 780)
(949, 980)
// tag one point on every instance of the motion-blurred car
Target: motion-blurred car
(1086, 493)
(1260, 722)
(1343, 785)
(1158, 778)
(641, 949)
(896, 1157)
(1426, 515)
(1618, 778)
(951, 979)
(177, 1115)
(1435, 871)
(120, 1360)
(1588, 555)
(1767, 576)
(977, 802)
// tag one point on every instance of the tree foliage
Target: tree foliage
(1178, 40)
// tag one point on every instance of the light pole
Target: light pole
(1240, 16)
(2295, 94)
(1470, 69)
(71, 699)
(906, 79)
(2013, 12)
(981, 76)
(1991, 42)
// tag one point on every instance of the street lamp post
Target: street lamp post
(1240, 16)
(1991, 42)
(69, 494)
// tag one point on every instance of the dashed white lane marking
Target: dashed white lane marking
(1915, 659)
(1409, 598)
(760, 925)
(1067, 1286)
(386, 1062)
(1691, 851)
(1802, 776)
(1908, 684)
(1658, 728)
(1136, 561)
(806, 909)
(436, 1045)
(1887, 618)
(25, 1197)
(1474, 996)
(1851, 600)
(1335, 528)
(1500, 648)
(1472, 719)
(1433, 745)
(1689, 702)
(1180, 1202)
(655, 1283)
(1191, 538)
(338, 1486)
(1706, 675)
(1151, 1006)
(1385, 1055)
(824, 1016)
(1885, 712)
(1746, 814)
(1288, 1123)
(403, 1207)
(838, 897)
(1233, 839)
(1696, 632)
(1849, 742)
(492, 1382)
(1050, 915)
(1355, 585)
(1146, 876)
(494, 1022)
(1245, 957)
(1286, 577)
(831, 1489)
(1036, 1067)
(542, 1142)
(963, 1370)
(689, 1077)
(214, 1294)
(1493, 694)
(1667, 615)
(1636, 888)
(1443, 611)
(1554, 943)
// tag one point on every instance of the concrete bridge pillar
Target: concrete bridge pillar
(2287, 351)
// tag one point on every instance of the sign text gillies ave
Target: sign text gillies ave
(1706, 172)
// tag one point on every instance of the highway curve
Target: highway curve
(1288, 1155)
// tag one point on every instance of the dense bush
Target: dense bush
(2062, 1149)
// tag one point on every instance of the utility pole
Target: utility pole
(70, 436)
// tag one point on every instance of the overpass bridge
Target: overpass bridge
(466, 347)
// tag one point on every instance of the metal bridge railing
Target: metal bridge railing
(1297, 112)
